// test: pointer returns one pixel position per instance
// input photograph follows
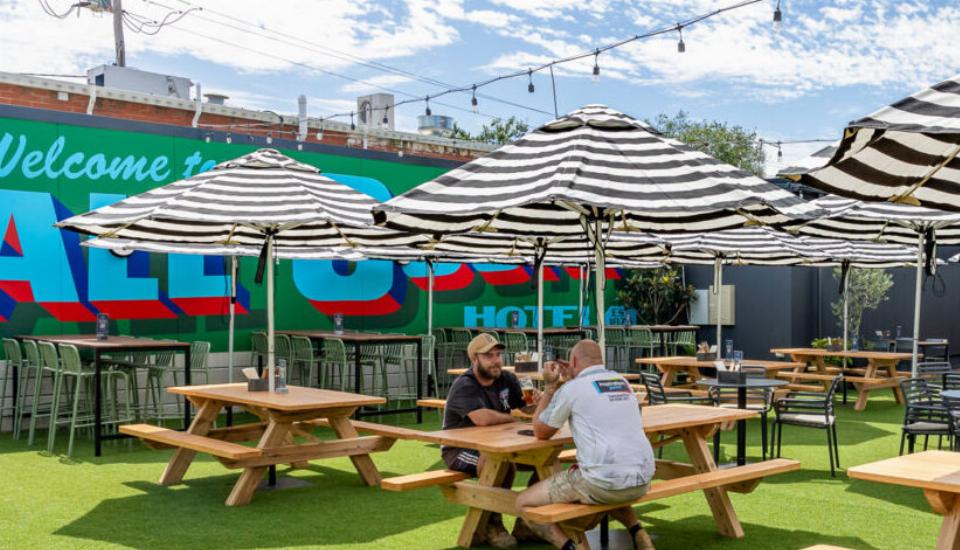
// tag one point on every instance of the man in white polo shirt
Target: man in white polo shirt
(615, 461)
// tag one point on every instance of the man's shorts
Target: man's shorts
(570, 486)
(464, 461)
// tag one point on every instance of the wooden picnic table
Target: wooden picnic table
(670, 367)
(502, 445)
(282, 416)
(880, 372)
(113, 345)
(937, 473)
(360, 339)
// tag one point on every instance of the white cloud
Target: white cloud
(374, 84)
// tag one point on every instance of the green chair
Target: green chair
(333, 358)
(258, 349)
(160, 365)
(459, 340)
(199, 359)
(515, 342)
(616, 341)
(31, 366)
(49, 363)
(14, 359)
(303, 360)
(282, 350)
(681, 342)
(640, 342)
(78, 381)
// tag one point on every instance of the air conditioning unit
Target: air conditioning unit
(371, 109)
(126, 78)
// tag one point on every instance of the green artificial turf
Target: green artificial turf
(114, 501)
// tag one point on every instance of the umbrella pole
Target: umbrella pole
(580, 296)
(600, 280)
(271, 382)
(846, 316)
(429, 297)
(233, 315)
(917, 297)
(540, 316)
(717, 289)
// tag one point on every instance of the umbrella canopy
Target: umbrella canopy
(905, 152)
(582, 177)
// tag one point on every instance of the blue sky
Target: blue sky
(831, 62)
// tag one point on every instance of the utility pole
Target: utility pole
(118, 33)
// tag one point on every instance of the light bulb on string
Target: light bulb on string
(320, 132)
(229, 138)
(681, 47)
(530, 87)
(779, 152)
(777, 18)
(596, 66)
(352, 125)
(473, 100)
(427, 110)
(206, 138)
(269, 138)
(386, 119)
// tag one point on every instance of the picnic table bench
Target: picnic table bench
(670, 367)
(880, 372)
(502, 445)
(282, 415)
(937, 473)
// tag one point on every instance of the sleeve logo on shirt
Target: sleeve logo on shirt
(612, 386)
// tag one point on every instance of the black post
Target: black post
(96, 402)
(741, 427)
(419, 381)
(186, 381)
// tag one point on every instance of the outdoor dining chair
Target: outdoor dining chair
(514, 342)
(49, 363)
(258, 349)
(952, 406)
(13, 356)
(640, 342)
(682, 343)
(809, 410)
(199, 359)
(616, 341)
(77, 380)
(933, 371)
(657, 395)
(924, 414)
(950, 381)
(303, 361)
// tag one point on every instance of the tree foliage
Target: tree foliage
(658, 295)
(732, 144)
(497, 132)
(867, 289)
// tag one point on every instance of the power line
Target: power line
(332, 52)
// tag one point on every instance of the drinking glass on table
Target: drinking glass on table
(527, 387)
(737, 359)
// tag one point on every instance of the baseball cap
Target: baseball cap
(482, 343)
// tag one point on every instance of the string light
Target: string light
(385, 119)
(473, 100)
(427, 110)
(530, 87)
(206, 137)
(229, 139)
(681, 47)
(352, 125)
(777, 18)
(779, 151)
(269, 138)
(596, 66)
(320, 133)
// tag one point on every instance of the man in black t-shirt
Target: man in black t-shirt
(484, 395)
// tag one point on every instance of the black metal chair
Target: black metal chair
(951, 381)
(933, 371)
(924, 414)
(658, 395)
(809, 410)
(952, 407)
(758, 399)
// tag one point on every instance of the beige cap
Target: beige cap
(482, 343)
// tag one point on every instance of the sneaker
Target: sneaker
(641, 541)
(498, 537)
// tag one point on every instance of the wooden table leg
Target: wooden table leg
(667, 376)
(892, 373)
(723, 513)
(274, 435)
(207, 412)
(864, 390)
(947, 505)
(363, 463)
(492, 475)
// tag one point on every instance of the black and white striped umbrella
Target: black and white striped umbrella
(923, 227)
(252, 203)
(588, 174)
(905, 152)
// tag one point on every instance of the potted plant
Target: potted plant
(658, 295)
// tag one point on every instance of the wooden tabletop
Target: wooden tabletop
(503, 438)
(859, 354)
(113, 342)
(936, 470)
(352, 336)
(690, 361)
(297, 399)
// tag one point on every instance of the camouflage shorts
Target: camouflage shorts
(570, 486)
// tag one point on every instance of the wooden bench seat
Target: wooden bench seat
(395, 432)
(738, 479)
(423, 479)
(432, 403)
(883, 381)
(158, 438)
